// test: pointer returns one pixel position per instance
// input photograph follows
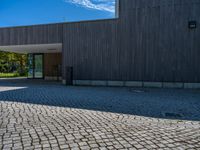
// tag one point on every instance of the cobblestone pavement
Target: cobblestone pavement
(31, 119)
(29, 126)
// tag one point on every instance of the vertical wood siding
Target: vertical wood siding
(51, 67)
(39, 34)
(150, 41)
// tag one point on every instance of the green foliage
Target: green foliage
(13, 63)
(9, 75)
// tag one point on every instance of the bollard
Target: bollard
(69, 75)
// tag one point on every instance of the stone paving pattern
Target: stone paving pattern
(29, 126)
(29, 120)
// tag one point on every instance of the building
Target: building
(150, 42)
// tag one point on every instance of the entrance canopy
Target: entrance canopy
(35, 48)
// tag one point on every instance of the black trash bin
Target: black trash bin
(69, 75)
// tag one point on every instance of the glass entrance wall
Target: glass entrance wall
(30, 65)
(35, 66)
(38, 66)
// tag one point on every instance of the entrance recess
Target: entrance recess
(35, 66)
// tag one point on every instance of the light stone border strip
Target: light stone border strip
(153, 84)
(136, 84)
(192, 85)
(173, 85)
(99, 83)
(83, 82)
(133, 84)
(116, 83)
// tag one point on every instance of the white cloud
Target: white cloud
(103, 5)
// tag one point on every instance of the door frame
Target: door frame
(33, 69)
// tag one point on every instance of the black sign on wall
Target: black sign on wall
(192, 25)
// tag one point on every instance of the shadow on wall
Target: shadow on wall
(158, 103)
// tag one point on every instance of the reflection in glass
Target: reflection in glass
(38, 73)
(30, 65)
(35, 66)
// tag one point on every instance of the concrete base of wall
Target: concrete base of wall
(173, 85)
(192, 85)
(52, 78)
(64, 82)
(136, 84)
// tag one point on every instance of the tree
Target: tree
(12, 62)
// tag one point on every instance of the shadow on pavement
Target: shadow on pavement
(158, 103)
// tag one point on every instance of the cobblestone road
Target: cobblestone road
(24, 125)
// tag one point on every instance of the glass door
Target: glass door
(35, 65)
(38, 66)
(30, 66)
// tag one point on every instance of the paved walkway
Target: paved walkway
(48, 116)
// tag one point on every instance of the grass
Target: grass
(9, 75)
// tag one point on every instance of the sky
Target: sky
(31, 12)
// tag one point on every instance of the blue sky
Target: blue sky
(30, 12)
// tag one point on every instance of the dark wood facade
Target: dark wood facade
(150, 41)
(52, 63)
(39, 34)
